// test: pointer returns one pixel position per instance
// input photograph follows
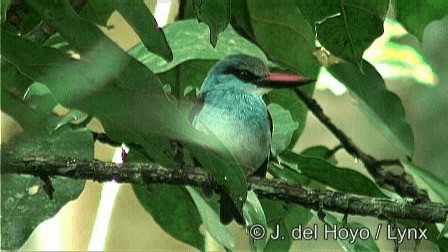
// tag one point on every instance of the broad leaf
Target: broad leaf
(290, 101)
(348, 180)
(98, 11)
(320, 152)
(188, 74)
(144, 24)
(283, 128)
(382, 107)
(352, 243)
(286, 28)
(288, 174)
(416, 15)
(4, 8)
(215, 13)
(436, 188)
(187, 42)
(282, 219)
(338, 27)
(254, 215)
(108, 84)
(73, 115)
(174, 210)
(444, 231)
(210, 218)
(39, 97)
(24, 202)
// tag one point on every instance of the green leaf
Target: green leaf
(174, 210)
(284, 28)
(215, 13)
(73, 115)
(253, 214)
(170, 206)
(382, 107)
(39, 97)
(290, 101)
(24, 203)
(283, 128)
(210, 218)
(348, 180)
(188, 74)
(144, 24)
(4, 8)
(14, 86)
(288, 174)
(240, 19)
(187, 40)
(108, 84)
(294, 31)
(416, 15)
(320, 152)
(282, 219)
(432, 233)
(224, 167)
(351, 243)
(436, 188)
(98, 11)
(444, 230)
(338, 27)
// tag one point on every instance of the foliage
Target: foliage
(84, 71)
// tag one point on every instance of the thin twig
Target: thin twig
(149, 173)
(386, 179)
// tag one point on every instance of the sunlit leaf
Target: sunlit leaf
(187, 42)
(338, 28)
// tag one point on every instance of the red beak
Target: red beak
(281, 80)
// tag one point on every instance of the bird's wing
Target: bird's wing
(197, 106)
(261, 172)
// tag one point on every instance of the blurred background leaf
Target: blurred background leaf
(416, 15)
(381, 107)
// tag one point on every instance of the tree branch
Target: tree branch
(399, 183)
(149, 173)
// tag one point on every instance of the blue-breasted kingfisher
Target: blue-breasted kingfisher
(231, 107)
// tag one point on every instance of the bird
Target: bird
(230, 105)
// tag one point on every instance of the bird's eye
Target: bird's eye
(245, 75)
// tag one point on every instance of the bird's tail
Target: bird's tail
(228, 211)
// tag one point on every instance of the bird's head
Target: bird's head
(244, 71)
